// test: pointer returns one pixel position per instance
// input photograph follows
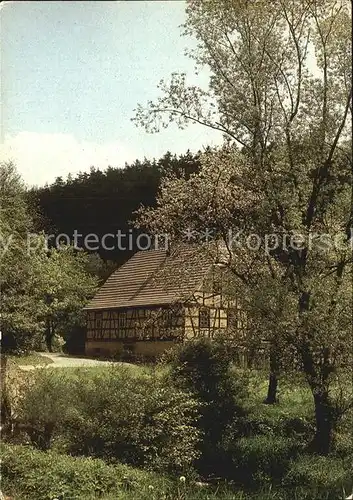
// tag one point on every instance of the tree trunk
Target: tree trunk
(5, 400)
(273, 378)
(325, 424)
(49, 341)
(49, 335)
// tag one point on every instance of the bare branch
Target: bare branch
(341, 127)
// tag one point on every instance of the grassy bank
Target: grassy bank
(28, 473)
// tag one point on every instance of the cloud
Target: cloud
(41, 157)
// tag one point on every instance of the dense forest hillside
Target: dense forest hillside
(103, 202)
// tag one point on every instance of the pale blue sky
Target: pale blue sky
(72, 73)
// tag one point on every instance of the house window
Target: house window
(204, 318)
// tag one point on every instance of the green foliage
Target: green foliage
(101, 202)
(280, 91)
(64, 290)
(281, 424)
(203, 367)
(44, 404)
(18, 281)
(137, 416)
(329, 477)
(290, 417)
(28, 473)
(45, 476)
(98, 267)
(137, 419)
(262, 460)
(41, 290)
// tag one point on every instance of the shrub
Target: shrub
(203, 367)
(43, 405)
(115, 413)
(137, 419)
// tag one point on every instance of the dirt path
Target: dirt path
(62, 361)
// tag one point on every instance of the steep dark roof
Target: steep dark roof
(152, 277)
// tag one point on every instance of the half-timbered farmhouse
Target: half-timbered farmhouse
(155, 299)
